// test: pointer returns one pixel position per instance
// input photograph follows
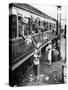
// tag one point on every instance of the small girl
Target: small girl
(37, 55)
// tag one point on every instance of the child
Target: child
(36, 62)
(49, 49)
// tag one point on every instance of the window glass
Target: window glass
(50, 26)
(20, 25)
(33, 27)
(12, 26)
(39, 23)
(45, 24)
(54, 25)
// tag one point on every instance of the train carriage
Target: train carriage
(27, 20)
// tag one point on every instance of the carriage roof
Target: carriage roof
(32, 10)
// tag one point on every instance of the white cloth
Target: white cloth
(38, 45)
(36, 61)
(49, 47)
(49, 55)
(49, 52)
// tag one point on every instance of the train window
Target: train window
(33, 27)
(45, 26)
(36, 21)
(39, 23)
(27, 27)
(12, 26)
(20, 24)
(54, 26)
(44, 23)
(50, 26)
